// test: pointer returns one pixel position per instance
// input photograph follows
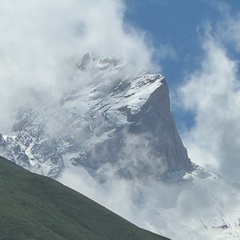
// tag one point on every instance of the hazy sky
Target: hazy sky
(194, 43)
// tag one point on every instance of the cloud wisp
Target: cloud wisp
(212, 94)
(42, 41)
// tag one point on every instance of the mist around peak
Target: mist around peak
(42, 41)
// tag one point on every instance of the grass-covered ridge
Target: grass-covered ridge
(36, 207)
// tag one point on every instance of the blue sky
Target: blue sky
(176, 24)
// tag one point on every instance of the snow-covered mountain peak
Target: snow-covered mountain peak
(105, 109)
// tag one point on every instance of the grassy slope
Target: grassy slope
(36, 207)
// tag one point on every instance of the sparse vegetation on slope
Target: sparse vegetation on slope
(35, 207)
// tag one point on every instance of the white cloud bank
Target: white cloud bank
(39, 38)
(194, 209)
(212, 93)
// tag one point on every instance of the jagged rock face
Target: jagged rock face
(121, 120)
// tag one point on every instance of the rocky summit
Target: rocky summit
(112, 117)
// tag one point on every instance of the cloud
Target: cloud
(212, 94)
(42, 40)
(166, 51)
(173, 210)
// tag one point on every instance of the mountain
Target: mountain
(111, 118)
(111, 135)
(36, 207)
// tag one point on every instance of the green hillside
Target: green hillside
(35, 207)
